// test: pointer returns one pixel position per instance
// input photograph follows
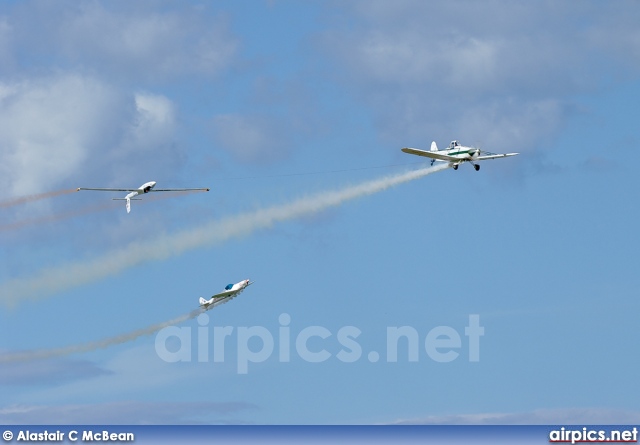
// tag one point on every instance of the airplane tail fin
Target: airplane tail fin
(434, 147)
(202, 301)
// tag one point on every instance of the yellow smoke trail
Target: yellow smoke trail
(31, 198)
(105, 205)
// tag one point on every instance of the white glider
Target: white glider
(456, 154)
(144, 188)
(230, 291)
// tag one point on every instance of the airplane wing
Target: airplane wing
(222, 297)
(210, 304)
(180, 190)
(223, 294)
(494, 156)
(108, 190)
(430, 154)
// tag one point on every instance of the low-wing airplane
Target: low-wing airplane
(230, 291)
(144, 188)
(456, 154)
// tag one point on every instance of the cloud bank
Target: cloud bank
(125, 413)
(498, 73)
(560, 416)
(67, 127)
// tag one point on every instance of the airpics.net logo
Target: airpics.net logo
(257, 344)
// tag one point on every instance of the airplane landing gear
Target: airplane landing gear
(476, 166)
(455, 167)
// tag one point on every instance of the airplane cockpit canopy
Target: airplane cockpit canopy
(228, 287)
(453, 144)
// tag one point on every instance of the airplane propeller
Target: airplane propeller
(478, 148)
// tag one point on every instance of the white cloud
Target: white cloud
(130, 372)
(463, 62)
(126, 40)
(508, 126)
(560, 416)
(476, 47)
(49, 127)
(125, 413)
(155, 120)
(148, 147)
(48, 372)
(63, 129)
(499, 71)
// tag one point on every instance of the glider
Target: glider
(230, 291)
(456, 154)
(144, 188)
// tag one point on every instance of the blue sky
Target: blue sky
(249, 99)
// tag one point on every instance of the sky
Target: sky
(293, 114)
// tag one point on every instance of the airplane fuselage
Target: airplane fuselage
(456, 154)
(229, 292)
(461, 152)
(143, 189)
(241, 285)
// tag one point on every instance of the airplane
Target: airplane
(456, 154)
(230, 291)
(144, 188)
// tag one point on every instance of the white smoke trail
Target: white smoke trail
(37, 354)
(56, 279)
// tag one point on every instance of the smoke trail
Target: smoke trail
(37, 354)
(30, 198)
(58, 216)
(57, 279)
(104, 205)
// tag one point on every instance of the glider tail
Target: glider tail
(128, 199)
